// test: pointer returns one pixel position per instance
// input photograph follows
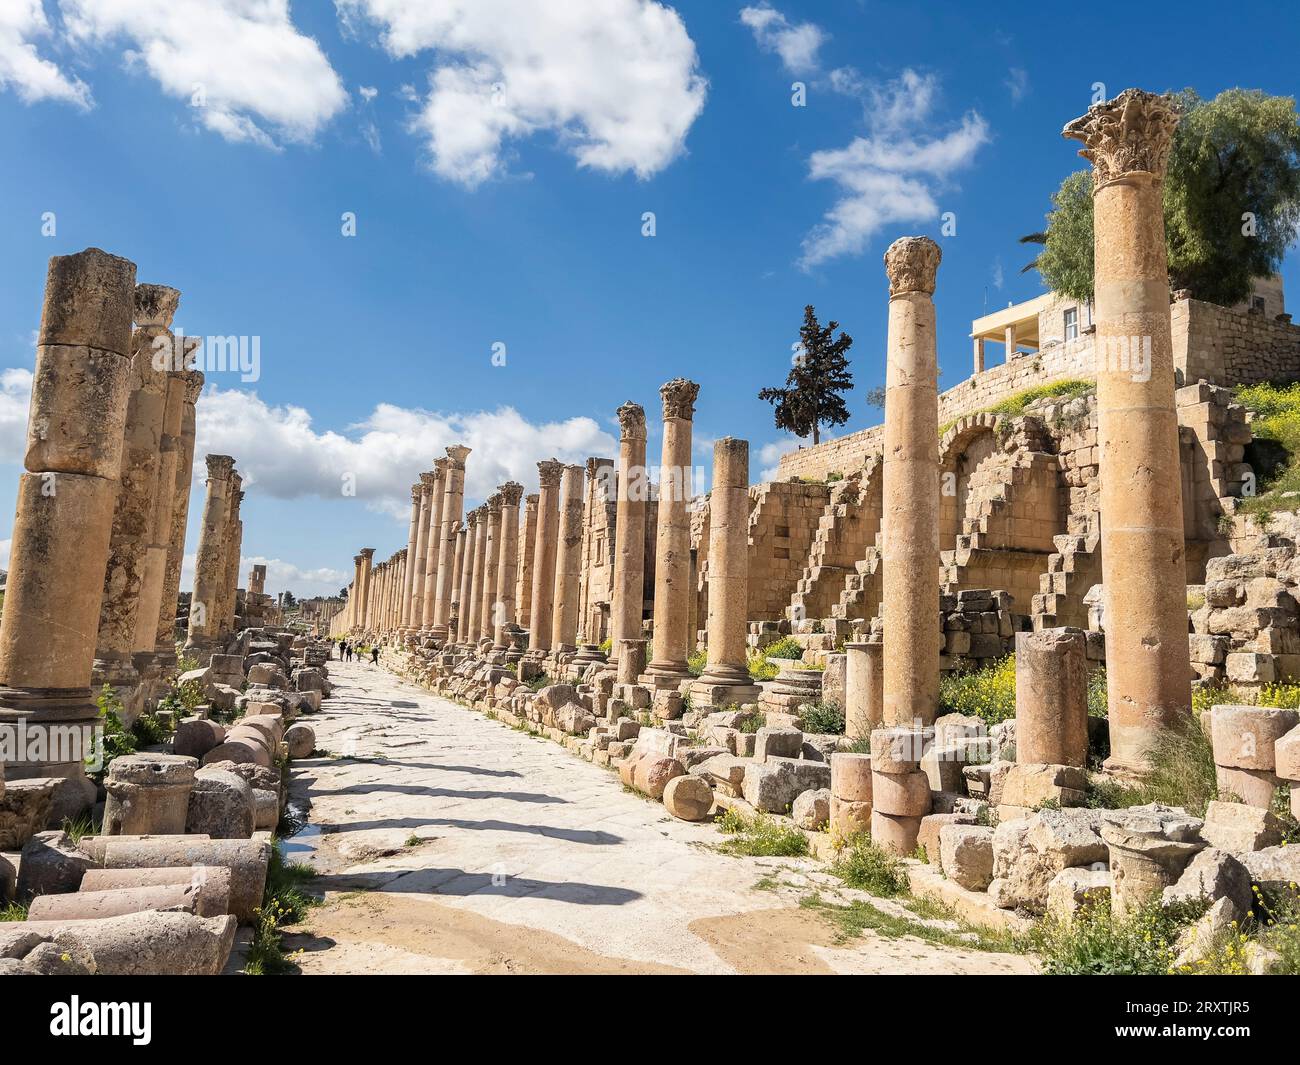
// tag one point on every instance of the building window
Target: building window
(1072, 323)
(1257, 304)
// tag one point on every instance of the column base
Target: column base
(116, 669)
(723, 686)
(662, 676)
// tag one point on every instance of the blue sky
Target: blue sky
(499, 157)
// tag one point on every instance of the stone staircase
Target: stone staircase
(847, 527)
(1073, 568)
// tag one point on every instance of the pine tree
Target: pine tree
(811, 397)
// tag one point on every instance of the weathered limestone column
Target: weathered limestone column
(354, 597)
(601, 490)
(457, 571)
(418, 559)
(192, 386)
(1148, 670)
(124, 576)
(453, 502)
(628, 598)
(465, 601)
(910, 524)
(488, 599)
(367, 563)
(548, 534)
(209, 564)
(407, 601)
(864, 688)
(568, 562)
(524, 570)
(726, 676)
(670, 642)
(433, 543)
(1052, 697)
(64, 514)
(478, 576)
(507, 564)
(230, 559)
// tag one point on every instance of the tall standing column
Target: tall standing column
(507, 564)
(209, 569)
(64, 512)
(1148, 670)
(671, 644)
(488, 602)
(600, 492)
(453, 501)
(124, 577)
(354, 595)
(726, 676)
(465, 599)
(418, 559)
(230, 557)
(435, 486)
(180, 517)
(524, 571)
(479, 571)
(407, 601)
(568, 562)
(910, 523)
(367, 564)
(628, 599)
(548, 533)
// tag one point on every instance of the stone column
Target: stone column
(230, 558)
(479, 573)
(417, 560)
(548, 533)
(568, 562)
(209, 564)
(1148, 668)
(864, 688)
(489, 599)
(465, 598)
(433, 543)
(367, 562)
(600, 491)
(1052, 697)
(192, 386)
(453, 502)
(354, 597)
(670, 643)
(65, 511)
(524, 570)
(726, 676)
(628, 596)
(507, 564)
(407, 602)
(910, 523)
(124, 576)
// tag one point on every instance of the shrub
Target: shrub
(785, 647)
(824, 717)
(1097, 705)
(1095, 943)
(118, 740)
(696, 662)
(861, 864)
(989, 693)
(752, 722)
(761, 836)
(606, 646)
(761, 669)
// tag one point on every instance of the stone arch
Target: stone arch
(969, 443)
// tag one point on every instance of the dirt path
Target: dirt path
(449, 843)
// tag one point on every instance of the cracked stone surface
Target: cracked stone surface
(447, 842)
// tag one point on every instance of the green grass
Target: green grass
(786, 647)
(825, 717)
(1014, 405)
(15, 911)
(284, 902)
(761, 669)
(696, 662)
(989, 693)
(863, 865)
(859, 916)
(1182, 774)
(1277, 420)
(760, 836)
(752, 722)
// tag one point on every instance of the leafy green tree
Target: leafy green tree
(811, 397)
(1231, 200)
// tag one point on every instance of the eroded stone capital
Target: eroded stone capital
(494, 505)
(911, 264)
(1130, 134)
(429, 481)
(530, 502)
(594, 466)
(220, 467)
(456, 455)
(679, 398)
(155, 305)
(417, 492)
(631, 420)
(548, 471)
(511, 493)
(367, 553)
(193, 386)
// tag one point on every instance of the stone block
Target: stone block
(1238, 827)
(50, 865)
(851, 776)
(777, 743)
(812, 809)
(1254, 787)
(773, 785)
(1072, 889)
(895, 834)
(848, 818)
(1031, 785)
(688, 797)
(1286, 755)
(966, 855)
(1213, 874)
(1243, 736)
(26, 807)
(901, 794)
(221, 805)
(899, 750)
(927, 837)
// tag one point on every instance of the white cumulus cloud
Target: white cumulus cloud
(281, 575)
(282, 455)
(797, 45)
(615, 81)
(242, 65)
(22, 67)
(15, 398)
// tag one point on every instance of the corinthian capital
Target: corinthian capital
(1127, 135)
(631, 420)
(549, 472)
(679, 397)
(911, 264)
(220, 467)
(511, 493)
(457, 454)
(155, 305)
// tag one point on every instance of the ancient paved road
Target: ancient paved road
(448, 842)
